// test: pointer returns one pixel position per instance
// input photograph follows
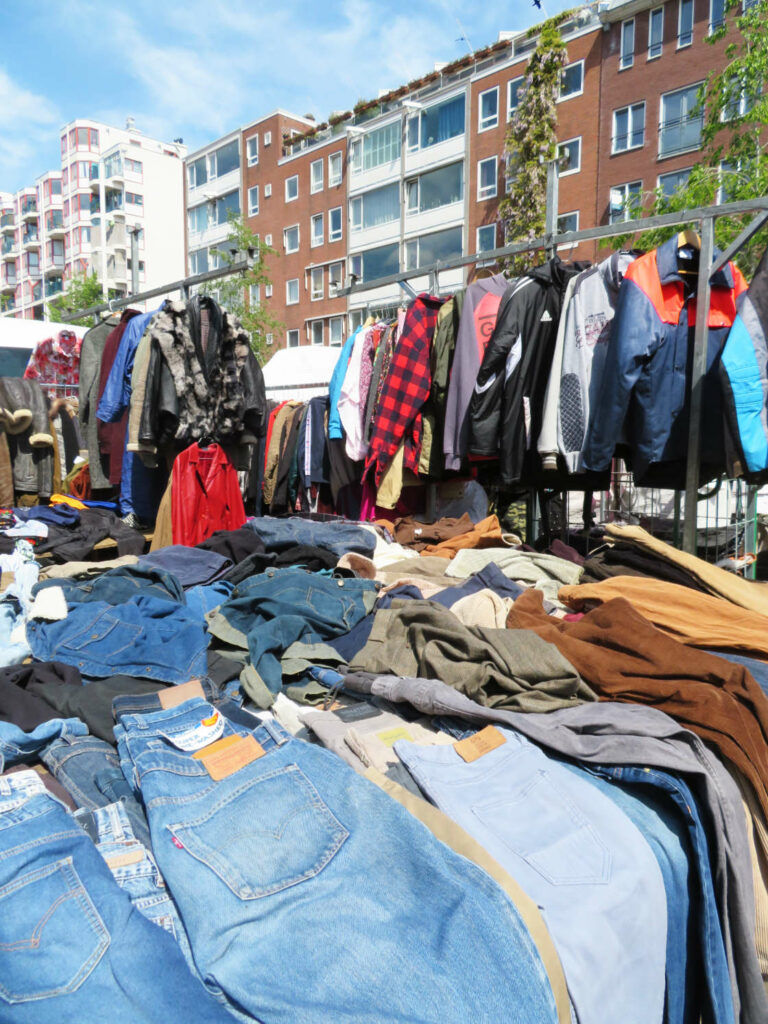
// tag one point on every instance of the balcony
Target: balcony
(54, 225)
(117, 269)
(29, 210)
(54, 262)
(33, 271)
(7, 223)
(8, 284)
(30, 240)
(53, 286)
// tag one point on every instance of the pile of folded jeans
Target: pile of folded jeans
(304, 772)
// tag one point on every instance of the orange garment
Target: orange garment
(64, 499)
(695, 619)
(486, 534)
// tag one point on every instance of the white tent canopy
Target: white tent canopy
(18, 339)
(300, 373)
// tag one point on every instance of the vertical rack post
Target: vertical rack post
(550, 221)
(698, 372)
(134, 232)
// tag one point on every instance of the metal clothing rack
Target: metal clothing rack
(551, 240)
(184, 286)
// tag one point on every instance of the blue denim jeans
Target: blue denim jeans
(116, 586)
(293, 850)
(18, 747)
(666, 835)
(714, 964)
(572, 850)
(278, 534)
(269, 612)
(72, 946)
(134, 869)
(144, 637)
(89, 769)
(11, 616)
(149, 703)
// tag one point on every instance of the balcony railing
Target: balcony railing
(9, 245)
(680, 135)
(6, 220)
(28, 206)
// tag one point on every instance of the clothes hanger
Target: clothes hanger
(689, 237)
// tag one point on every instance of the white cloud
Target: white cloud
(28, 124)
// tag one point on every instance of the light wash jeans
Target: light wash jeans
(572, 850)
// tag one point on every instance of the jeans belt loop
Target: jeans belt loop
(278, 736)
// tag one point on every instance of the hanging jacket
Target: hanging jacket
(479, 310)
(577, 368)
(218, 391)
(648, 367)
(744, 378)
(506, 408)
(91, 352)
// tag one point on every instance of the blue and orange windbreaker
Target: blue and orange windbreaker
(648, 367)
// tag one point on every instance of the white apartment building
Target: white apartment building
(79, 220)
(212, 191)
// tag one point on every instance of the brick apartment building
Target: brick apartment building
(417, 174)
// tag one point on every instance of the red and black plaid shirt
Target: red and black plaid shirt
(405, 390)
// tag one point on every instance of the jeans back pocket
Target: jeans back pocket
(51, 935)
(544, 826)
(265, 836)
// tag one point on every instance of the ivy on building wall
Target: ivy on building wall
(530, 143)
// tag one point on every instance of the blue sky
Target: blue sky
(198, 68)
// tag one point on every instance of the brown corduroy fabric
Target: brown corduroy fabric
(624, 657)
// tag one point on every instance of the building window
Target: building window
(334, 224)
(268, 291)
(440, 245)
(514, 94)
(267, 239)
(569, 156)
(378, 147)
(336, 330)
(728, 174)
(291, 188)
(317, 286)
(226, 205)
(252, 149)
(670, 183)
(317, 332)
(224, 159)
(655, 33)
(436, 188)
(316, 176)
(253, 200)
(371, 209)
(572, 80)
(628, 128)
(488, 109)
(486, 238)
(292, 291)
(134, 168)
(436, 124)
(625, 201)
(318, 231)
(335, 278)
(716, 15)
(267, 138)
(627, 58)
(738, 102)
(373, 263)
(197, 173)
(334, 169)
(254, 294)
(291, 238)
(684, 23)
(487, 178)
(680, 122)
(293, 339)
(198, 261)
(568, 222)
(197, 219)
(270, 339)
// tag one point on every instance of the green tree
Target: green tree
(530, 143)
(734, 113)
(83, 291)
(243, 293)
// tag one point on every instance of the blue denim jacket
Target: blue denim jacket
(116, 586)
(143, 637)
(339, 538)
(269, 612)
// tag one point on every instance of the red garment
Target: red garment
(205, 495)
(55, 363)
(405, 390)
